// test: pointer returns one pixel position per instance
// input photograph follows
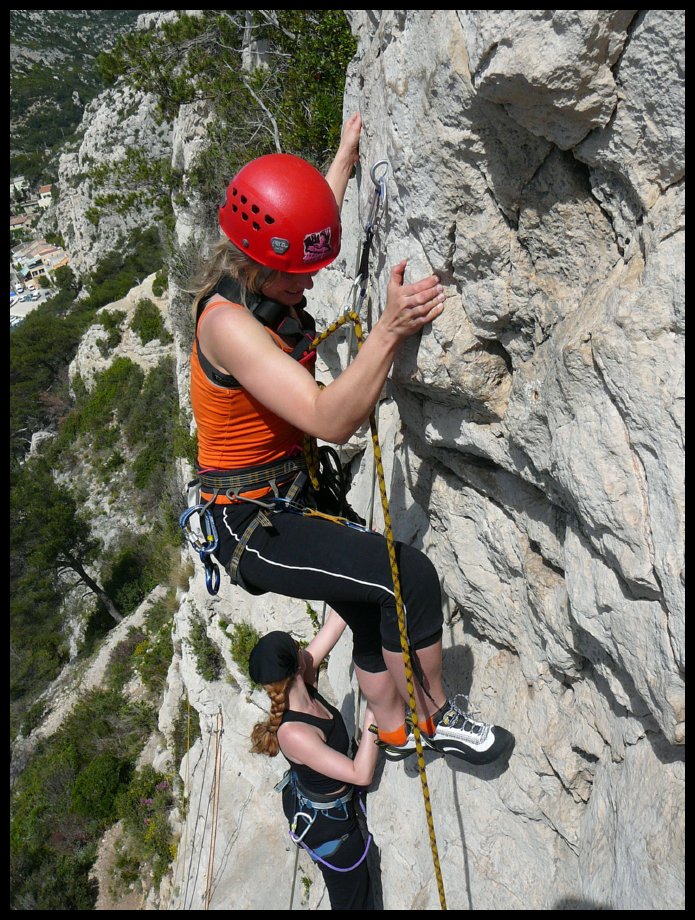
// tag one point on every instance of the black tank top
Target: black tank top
(336, 738)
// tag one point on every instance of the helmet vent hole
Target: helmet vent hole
(269, 219)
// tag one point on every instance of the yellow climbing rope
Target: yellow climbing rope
(311, 453)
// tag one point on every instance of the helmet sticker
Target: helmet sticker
(317, 245)
(279, 245)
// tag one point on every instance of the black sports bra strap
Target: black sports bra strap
(298, 335)
(213, 375)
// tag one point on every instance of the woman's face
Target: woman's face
(288, 289)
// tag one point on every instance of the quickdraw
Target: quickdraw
(377, 205)
(198, 526)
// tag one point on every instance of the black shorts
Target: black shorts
(318, 560)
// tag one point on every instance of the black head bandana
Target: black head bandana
(273, 658)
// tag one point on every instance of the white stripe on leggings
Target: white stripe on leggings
(301, 568)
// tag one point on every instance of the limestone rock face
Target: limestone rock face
(533, 445)
(93, 356)
(109, 519)
(120, 122)
(551, 70)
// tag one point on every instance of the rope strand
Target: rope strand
(353, 317)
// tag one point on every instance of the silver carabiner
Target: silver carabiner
(378, 198)
(372, 172)
(309, 820)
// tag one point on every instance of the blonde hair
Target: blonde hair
(264, 735)
(228, 260)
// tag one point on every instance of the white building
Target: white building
(18, 186)
(45, 196)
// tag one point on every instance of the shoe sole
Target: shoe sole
(504, 744)
(395, 756)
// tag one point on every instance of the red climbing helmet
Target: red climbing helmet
(282, 213)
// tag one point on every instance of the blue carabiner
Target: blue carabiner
(212, 574)
(210, 538)
(204, 544)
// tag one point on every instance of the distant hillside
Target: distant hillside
(52, 76)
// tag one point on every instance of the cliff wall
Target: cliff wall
(533, 442)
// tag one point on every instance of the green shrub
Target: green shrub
(160, 613)
(64, 796)
(148, 466)
(313, 616)
(33, 717)
(209, 661)
(243, 638)
(184, 444)
(130, 577)
(120, 667)
(147, 322)
(144, 809)
(152, 658)
(160, 283)
(114, 393)
(111, 321)
(96, 787)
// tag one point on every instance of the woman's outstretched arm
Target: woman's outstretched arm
(320, 646)
(346, 158)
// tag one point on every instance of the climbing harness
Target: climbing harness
(198, 524)
(307, 807)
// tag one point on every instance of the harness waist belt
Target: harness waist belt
(324, 803)
(246, 477)
(318, 800)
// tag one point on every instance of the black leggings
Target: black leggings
(318, 560)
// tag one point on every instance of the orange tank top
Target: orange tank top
(234, 429)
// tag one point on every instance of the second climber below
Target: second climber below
(254, 399)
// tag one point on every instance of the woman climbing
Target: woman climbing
(321, 788)
(254, 398)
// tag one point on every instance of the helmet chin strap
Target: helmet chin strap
(262, 278)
